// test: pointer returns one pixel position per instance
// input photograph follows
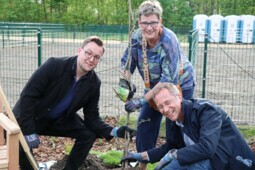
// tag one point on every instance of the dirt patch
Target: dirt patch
(92, 163)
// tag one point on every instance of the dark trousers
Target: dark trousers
(148, 124)
(74, 128)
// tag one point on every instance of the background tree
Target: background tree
(178, 13)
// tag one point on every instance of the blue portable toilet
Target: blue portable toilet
(199, 22)
(215, 28)
(230, 28)
(247, 28)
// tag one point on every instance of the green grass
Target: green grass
(248, 132)
(109, 158)
(112, 158)
(68, 148)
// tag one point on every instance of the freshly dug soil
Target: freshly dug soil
(92, 163)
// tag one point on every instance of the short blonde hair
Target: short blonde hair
(150, 7)
(173, 90)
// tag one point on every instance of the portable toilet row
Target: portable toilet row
(229, 29)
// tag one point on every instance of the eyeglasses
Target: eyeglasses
(146, 24)
(89, 54)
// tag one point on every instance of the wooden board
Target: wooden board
(21, 136)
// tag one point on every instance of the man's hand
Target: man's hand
(120, 132)
(33, 140)
(163, 162)
(134, 104)
(172, 154)
(132, 157)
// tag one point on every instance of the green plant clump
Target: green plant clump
(111, 158)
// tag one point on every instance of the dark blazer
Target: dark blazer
(48, 85)
(215, 136)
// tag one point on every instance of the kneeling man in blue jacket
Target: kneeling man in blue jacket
(202, 136)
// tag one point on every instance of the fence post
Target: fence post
(190, 44)
(23, 34)
(39, 46)
(72, 29)
(193, 44)
(121, 34)
(204, 66)
(3, 37)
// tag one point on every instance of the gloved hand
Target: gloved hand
(131, 92)
(33, 140)
(119, 132)
(134, 104)
(125, 91)
(132, 157)
(166, 159)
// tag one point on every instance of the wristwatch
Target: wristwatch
(173, 153)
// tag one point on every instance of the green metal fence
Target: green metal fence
(226, 74)
(221, 69)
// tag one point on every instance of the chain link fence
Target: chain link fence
(224, 72)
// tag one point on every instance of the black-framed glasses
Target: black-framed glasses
(146, 24)
(89, 54)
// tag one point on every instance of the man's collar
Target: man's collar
(179, 124)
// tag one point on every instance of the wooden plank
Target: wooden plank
(4, 147)
(3, 152)
(9, 153)
(3, 164)
(1, 106)
(21, 136)
(2, 140)
(9, 125)
(13, 154)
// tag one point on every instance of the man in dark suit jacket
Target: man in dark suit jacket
(49, 102)
(202, 136)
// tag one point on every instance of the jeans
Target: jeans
(201, 165)
(148, 124)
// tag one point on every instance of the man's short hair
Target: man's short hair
(173, 90)
(94, 39)
(150, 7)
